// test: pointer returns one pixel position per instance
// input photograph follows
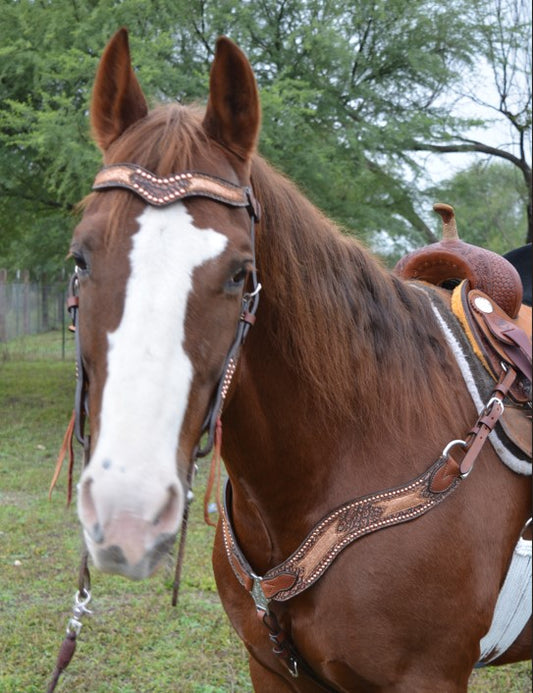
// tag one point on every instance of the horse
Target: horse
(216, 301)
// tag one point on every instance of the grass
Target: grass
(135, 642)
(54, 345)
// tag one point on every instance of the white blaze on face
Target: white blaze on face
(149, 374)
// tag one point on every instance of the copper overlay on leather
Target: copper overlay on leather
(333, 533)
(160, 191)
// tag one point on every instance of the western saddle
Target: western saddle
(486, 298)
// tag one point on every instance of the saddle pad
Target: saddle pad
(513, 608)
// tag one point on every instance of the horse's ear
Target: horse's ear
(233, 112)
(118, 100)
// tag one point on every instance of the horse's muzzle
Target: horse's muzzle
(125, 536)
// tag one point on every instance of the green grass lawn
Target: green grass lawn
(135, 642)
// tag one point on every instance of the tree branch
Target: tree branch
(475, 146)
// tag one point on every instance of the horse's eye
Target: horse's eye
(81, 262)
(237, 280)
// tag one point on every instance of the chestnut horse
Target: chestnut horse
(344, 387)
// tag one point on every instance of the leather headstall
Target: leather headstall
(161, 191)
(156, 191)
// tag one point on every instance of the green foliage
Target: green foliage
(48, 160)
(350, 90)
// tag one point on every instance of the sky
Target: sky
(499, 132)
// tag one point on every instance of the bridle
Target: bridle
(160, 191)
(157, 191)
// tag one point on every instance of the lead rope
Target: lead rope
(74, 625)
(75, 428)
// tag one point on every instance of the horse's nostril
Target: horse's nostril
(87, 508)
(166, 517)
(97, 533)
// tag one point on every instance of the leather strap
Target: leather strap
(504, 335)
(476, 437)
(160, 191)
(331, 535)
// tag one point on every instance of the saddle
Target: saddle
(451, 260)
(486, 299)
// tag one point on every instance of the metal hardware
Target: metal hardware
(261, 602)
(293, 668)
(79, 609)
(494, 400)
(452, 444)
(255, 292)
(483, 304)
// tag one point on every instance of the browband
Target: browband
(161, 191)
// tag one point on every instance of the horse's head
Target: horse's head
(161, 282)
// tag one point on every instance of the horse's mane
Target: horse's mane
(330, 299)
(333, 301)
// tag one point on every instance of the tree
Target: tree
(351, 92)
(489, 204)
(503, 34)
(344, 88)
(48, 57)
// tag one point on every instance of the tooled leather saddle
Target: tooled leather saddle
(487, 301)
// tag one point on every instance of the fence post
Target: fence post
(3, 305)
(45, 325)
(26, 302)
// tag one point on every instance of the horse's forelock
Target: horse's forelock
(170, 139)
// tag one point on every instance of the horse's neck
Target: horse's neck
(274, 457)
(289, 463)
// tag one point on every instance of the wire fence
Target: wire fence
(31, 308)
